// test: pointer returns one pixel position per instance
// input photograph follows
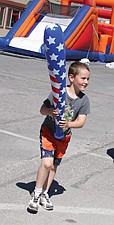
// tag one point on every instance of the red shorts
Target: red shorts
(50, 143)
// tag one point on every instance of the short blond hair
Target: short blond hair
(75, 67)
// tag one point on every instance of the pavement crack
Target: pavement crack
(87, 177)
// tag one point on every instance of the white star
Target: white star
(61, 63)
(59, 110)
(60, 98)
(56, 72)
(46, 48)
(60, 47)
(62, 104)
(48, 63)
(63, 76)
(51, 26)
(61, 117)
(57, 122)
(63, 90)
(51, 73)
(51, 40)
(53, 57)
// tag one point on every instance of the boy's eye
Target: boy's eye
(84, 78)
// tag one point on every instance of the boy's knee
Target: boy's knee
(47, 164)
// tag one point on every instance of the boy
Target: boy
(77, 107)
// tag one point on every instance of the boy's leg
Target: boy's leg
(42, 176)
(43, 171)
(50, 177)
(45, 200)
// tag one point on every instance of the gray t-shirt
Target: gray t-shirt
(73, 108)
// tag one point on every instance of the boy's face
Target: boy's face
(80, 81)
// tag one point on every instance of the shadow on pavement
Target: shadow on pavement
(110, 152)
(55, 189)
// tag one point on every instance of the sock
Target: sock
(44, 191)
(37, 191)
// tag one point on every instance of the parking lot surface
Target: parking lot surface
(83, 190)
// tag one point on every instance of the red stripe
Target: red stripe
(55, 100)
(54, 79)
(56, 90)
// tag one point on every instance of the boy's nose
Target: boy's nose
(86, 81)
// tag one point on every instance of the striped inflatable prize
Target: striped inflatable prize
(56, 58)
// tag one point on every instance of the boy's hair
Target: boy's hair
(75, 67)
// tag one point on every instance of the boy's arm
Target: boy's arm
(44, 110)
(78, 123)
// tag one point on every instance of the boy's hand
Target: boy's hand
(63, 123)
(54, 112)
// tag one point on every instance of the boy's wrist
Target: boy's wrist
(68, 124)
(50, 112)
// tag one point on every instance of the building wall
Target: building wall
(10, 12)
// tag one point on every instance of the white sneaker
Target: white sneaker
(45, 202)
(34, 203)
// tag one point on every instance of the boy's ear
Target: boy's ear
(71, 77)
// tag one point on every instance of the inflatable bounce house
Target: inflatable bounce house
(87, 25)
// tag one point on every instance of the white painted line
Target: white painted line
(17, 135)
(80, 210)
(61, 209)
(15, 207)
(34, 140)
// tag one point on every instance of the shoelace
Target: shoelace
(36, 198)
(47, 198)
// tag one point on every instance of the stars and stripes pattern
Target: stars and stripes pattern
(56, 59)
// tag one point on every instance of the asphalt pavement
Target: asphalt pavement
(83, 189)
